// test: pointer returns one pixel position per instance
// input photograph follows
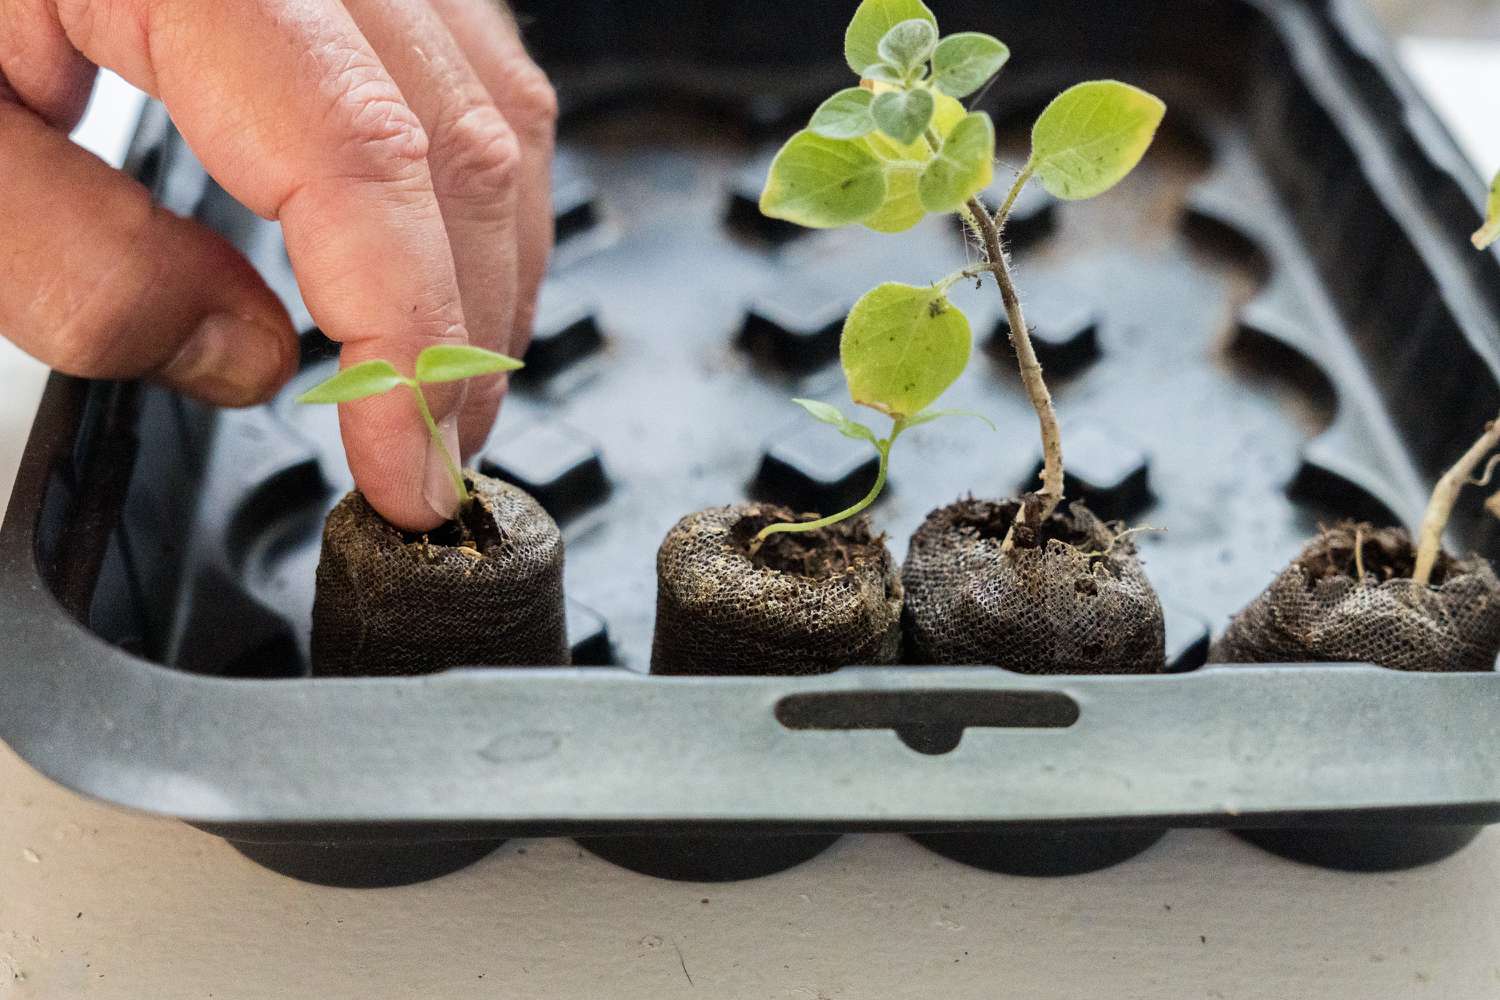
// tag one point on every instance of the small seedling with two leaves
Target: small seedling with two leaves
(901, 146)
(439, 363)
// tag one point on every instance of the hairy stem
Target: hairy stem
(1002, 216)
(454, 472)
(1051, 492)
(1444, 496)
(884, 447)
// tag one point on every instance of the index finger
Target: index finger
(291, 111)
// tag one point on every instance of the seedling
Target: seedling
(1490, 231)
(439, 363)
(899, 146)
(1445, 493)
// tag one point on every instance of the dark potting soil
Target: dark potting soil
(817, 555)
(475, 529)
(1321, 608)
(804, 603)
(1070, 596)
(485, 590)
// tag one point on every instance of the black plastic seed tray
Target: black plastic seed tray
(1275, 323)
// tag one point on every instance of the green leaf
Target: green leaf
(903, 114)
(453, 362)
(928, 416)
(823, 183)
(1490, 231)
(833, 415)
(964, 62)
(1091, 136)
(902, 207)
(368, 378)
(871, 22)
(845, 115)
(909, 44)
(902, 347)
(963, 167)
(885, 74)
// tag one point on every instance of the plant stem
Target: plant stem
(1051, 492)
(1002, 216)
(1444, 496)
(1359, 553)
(884, 447)
(437, 438)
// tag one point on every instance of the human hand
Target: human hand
(404, 145)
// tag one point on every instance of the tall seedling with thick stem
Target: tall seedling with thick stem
(900, 146)
(1445, 493)
(439, 363)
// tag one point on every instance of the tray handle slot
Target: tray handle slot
(930, 722)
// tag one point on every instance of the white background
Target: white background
(99, 903)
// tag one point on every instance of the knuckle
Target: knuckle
(534, 97)
(381, 137)
(476, 156)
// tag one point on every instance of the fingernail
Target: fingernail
(228, 361)
(438, 488)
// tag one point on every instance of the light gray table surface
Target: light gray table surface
(98, 903)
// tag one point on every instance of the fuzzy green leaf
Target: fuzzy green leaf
(908, 44)
(963, 167)
(964, 62)
(1490, 231)
(885, 74)
(368, 378)
(928, 416)
(823, 183)
(902, 347)
(871, 22)
(834, 416)
(1091, 136)
(903, 114)
(902, 207)
(845, 115)
(453, 362)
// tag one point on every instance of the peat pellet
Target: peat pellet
(484, 591)
(1069, 598)
(1329, 607)
(805, 603)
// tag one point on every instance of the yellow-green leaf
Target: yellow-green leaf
(368, 378)
(1490, 231)
(963, 167)
(871, 22)
(822, 183)
(902, 207)
(453, 362)
(1091, 136)
(902, 347)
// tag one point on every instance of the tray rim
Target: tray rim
(118, 749)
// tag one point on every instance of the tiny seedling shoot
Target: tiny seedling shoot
(1445, 493)
(439, 363)
(899, 146)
